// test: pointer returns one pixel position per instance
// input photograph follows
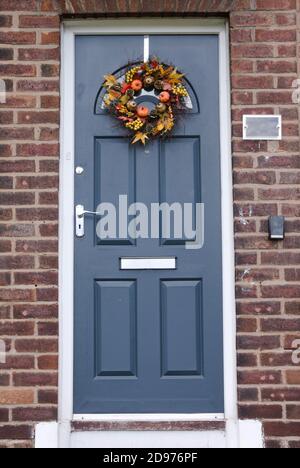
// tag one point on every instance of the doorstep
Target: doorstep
(150, 426)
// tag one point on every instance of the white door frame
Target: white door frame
(66, 220)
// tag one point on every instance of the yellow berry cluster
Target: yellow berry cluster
(131, 73)
(135, 125)
(180, 90)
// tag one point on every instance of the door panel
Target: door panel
(109, 183)
(148, 341)
(115, 322)
(182, 332)
(180, 156)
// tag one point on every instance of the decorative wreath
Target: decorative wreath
(146, 99)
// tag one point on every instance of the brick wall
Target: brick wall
(266, 175)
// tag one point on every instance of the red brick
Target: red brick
(261, 342)
(258, 308)
(6, 54)
(246, 291)
(252, 51)
(17, 295)
(50, 70)
(256, 377)
(246, 258)
(288, 325)
(17, 70)
(5, 246)
(273, 35)
(282, 429)
(19, 363)
(281, 291)
(47, 397)
(17, 198)
(39, 182)
(276, 360)
(45, 22)
(293, 377)
(11, 133)
(35, 379)
(36, 214)
(18, 5)
(13, 328)
(20, 262)
(293, 412)
(43, 86)
(4, 415)
(48, 262)
(252, 82)
(38, 55)
(50, 102)
(280, 394)
(48, 329)
(50, 134)
(48, 362)
(41, 150)
(17, 37)
(5, 151)
(4, 381)
(36, 345)
(38, 118)
(257, 275)
(247, 394)
(4, 313)
(280, 258)
(48, 38)
(5, 215)
(260, 411)
(47, 278)
(42, 246)
(247, 360)
(34, 414)
(278, 162)
(48, 198)
(32, 311)
(16, 432)
(274, 97)
(47, 295)
(49, 230)
(6, 118)
(5, 280)
(5, 21)
(276, 4)
(17, 230)
(6, 183)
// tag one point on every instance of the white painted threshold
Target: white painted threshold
(148, 417)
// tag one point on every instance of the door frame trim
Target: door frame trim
(69, 31)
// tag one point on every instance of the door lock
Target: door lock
(80, 214)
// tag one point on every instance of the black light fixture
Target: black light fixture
(277, 228)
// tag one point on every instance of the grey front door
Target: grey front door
(148, 341)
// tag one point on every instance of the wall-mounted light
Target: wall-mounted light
(277, 228)
(262, 127)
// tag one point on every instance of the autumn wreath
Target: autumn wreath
(146, 99)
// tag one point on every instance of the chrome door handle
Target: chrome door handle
(80, 212)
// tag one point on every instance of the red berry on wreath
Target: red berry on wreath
(143, 112)
(137, 85)
(164, 97)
